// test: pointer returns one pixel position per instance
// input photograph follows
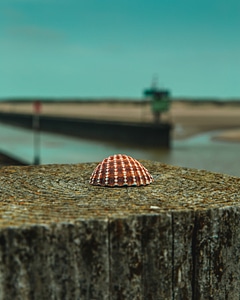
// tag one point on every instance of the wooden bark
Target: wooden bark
(216, 254)
(63, 261)
(140, 257)
(60, 238)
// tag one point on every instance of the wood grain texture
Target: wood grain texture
(61, 238)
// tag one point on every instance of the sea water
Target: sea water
(200, 151)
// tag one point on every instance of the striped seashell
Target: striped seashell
(120, 170)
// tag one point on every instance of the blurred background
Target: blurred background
(116, 61)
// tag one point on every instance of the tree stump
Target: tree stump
(61, 238)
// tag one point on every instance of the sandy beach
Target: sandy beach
(187, 118)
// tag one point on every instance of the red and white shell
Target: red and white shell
(120, 170)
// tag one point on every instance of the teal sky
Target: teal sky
(107, 48)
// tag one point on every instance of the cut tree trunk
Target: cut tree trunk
(61, 238)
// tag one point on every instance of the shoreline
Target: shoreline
(188, 119)
(231, 135)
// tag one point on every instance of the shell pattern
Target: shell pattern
(120, 170)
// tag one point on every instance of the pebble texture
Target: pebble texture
(62, 238)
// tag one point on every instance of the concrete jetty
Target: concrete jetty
(147, 134)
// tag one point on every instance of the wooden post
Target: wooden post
(61, 238)
(36, 129)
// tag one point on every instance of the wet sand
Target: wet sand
(188, 118)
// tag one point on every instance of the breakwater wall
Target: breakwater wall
(146, 134)
(61, 238)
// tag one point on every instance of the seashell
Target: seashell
(120, 170)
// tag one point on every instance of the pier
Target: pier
(135, 133)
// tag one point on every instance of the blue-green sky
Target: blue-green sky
(105, 48)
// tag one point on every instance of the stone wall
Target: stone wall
(61, 238)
